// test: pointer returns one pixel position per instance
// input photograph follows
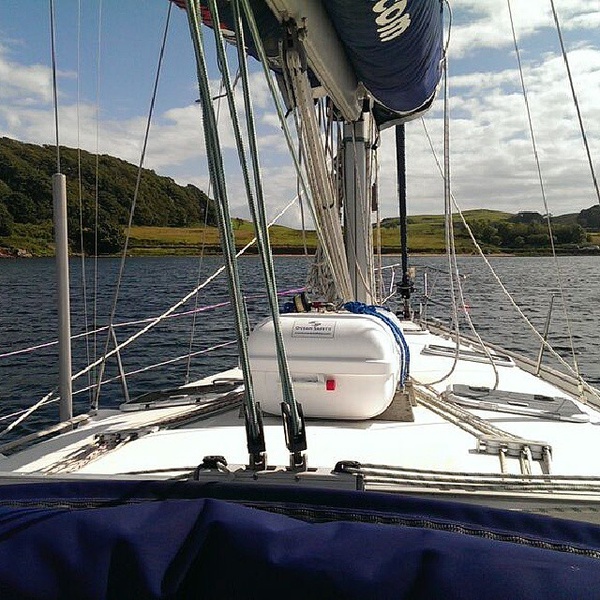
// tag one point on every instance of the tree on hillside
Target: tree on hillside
(590, 217)
(110, 235)
(4, 190)
(111, 239)
(538, 240)
(27, 169)
(528, 217)
(21, 207)
(6, 220)
(570, 234)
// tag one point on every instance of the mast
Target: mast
(358, 237)
(405, 287)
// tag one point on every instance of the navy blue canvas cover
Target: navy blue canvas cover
(395, 47)
(128, 539)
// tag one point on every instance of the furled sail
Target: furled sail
(390, 48)
(395, 49)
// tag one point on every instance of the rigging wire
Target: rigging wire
(300, 185)
(256, 204)
(155, 321)
(255, 434)
(289, 141)
(509, 296)
(445, 170)
(202, 250)
(60, 210)
(319, 280)
(164, 363)
(499, 281)
(576, 101)
(218, 97)
(301, 205)
(197, 298)
(559, 278)
(379, 283)
(48, 400)
(453, 270)
(300, 153)
(43, 401)
(186, 313)
(54, 84)
(319, 181)
(262, 235)
(80, 193)
(55, 102)
(97, 187)
(133, 205)
(448, 229)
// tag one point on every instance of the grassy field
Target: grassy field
(182, 240)
(594, 238)
(426, 232)
(425, 235)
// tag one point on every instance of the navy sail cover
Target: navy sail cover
(136, 539)
(395, 47)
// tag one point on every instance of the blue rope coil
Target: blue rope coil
(360, 308)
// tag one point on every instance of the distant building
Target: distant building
(527, 217)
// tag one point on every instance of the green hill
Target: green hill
(170, 219)
(499, 232)
(26, 197)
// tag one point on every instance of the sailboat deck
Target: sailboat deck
(151, 441)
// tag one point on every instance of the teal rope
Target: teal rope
(215, 164)
(256, 206)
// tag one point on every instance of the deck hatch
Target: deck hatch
(533, 405)
(469, 354)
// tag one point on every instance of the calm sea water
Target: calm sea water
(151, 285)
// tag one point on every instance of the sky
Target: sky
(107, 52)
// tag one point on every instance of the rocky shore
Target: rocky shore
(14, 253)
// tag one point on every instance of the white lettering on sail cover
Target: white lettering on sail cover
(313, 328)
(391, 19)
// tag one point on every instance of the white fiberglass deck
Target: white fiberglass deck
(430, 443)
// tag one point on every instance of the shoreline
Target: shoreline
(21, 253)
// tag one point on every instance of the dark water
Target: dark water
(151, 285)
(532, 281)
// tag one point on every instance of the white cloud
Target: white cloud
(487, 22)
(23, 85)
(492, 162)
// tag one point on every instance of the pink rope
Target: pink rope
(186, 313)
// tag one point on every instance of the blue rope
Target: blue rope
(360, 308)
(288, 307)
